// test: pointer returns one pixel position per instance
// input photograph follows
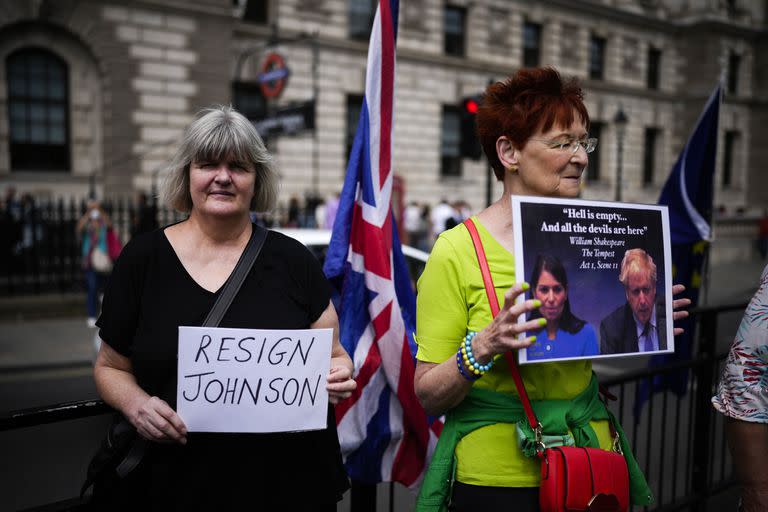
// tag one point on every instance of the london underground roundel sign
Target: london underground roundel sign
(273, 76)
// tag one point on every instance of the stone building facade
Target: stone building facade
(96, 93)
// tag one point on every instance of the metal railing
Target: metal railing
(40, 251)
(678, 440)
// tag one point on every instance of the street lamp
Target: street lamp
(92, 185)
(620, 120)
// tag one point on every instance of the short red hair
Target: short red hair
(532, 99)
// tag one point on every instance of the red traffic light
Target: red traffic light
(470, 105)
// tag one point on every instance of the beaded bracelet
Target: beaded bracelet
(476, 370)
(470, 377)
(469, 357)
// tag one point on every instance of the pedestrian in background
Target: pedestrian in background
(92, 229)
(12, 230)
(31, 234)
(294, 211)
(6, 240)
(742, 396)
(331, 208)
(171, 277)
(425, 241)
(144, 216)
(441, 215)
(412, 223)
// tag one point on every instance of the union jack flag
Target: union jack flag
(384, 432)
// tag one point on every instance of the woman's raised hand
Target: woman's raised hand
(155, 420)
(501, 335)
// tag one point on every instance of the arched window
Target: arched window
(38, 103)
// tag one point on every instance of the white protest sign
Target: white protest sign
(253, 380)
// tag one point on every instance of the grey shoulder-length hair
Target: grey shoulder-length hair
(216, 133)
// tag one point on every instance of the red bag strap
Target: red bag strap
(494, 302)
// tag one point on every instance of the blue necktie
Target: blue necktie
(647, 341)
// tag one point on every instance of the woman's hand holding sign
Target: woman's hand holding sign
(153, 418)
(340, 384)
(502, 334)
(444, 388)
(156, 421)
(677, 305)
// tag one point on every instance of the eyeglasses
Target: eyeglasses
(589, 145)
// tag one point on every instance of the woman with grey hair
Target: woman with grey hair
(171, 277)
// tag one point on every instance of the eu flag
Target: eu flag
(688, 194)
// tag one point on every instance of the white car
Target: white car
(317, 241)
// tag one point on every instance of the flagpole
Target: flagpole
(704, 299)
(704, 289)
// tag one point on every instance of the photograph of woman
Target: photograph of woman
(565, 334)
(534, 130)
(171, 277)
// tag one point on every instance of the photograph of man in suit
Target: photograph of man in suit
(639, 324)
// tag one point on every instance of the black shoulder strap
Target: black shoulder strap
(235, 280)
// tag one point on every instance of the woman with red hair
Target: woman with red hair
(534, 130)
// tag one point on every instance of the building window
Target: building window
(734, 63)
(569, 54)
(498, 28)
(731, 139)
(629, 61)
(593, 167)
(38, 107)
(254, 11)
(412, 14)
(531, 45)
(450, 164)
(249, 101)
(649, 157)
(596, 58)
(654, 63)
(354, 106)
(454, 21)
(361, 14)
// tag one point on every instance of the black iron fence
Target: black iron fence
(40, 251)
(679, 440)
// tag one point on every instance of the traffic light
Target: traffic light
(469, 146)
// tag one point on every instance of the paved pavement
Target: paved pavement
(45, 342)
(28, 339)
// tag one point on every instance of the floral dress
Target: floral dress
(743, 389)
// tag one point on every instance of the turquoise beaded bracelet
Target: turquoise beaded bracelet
(470, 362)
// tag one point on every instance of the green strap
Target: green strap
(482, 407)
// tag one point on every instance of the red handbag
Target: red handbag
(572, 478)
